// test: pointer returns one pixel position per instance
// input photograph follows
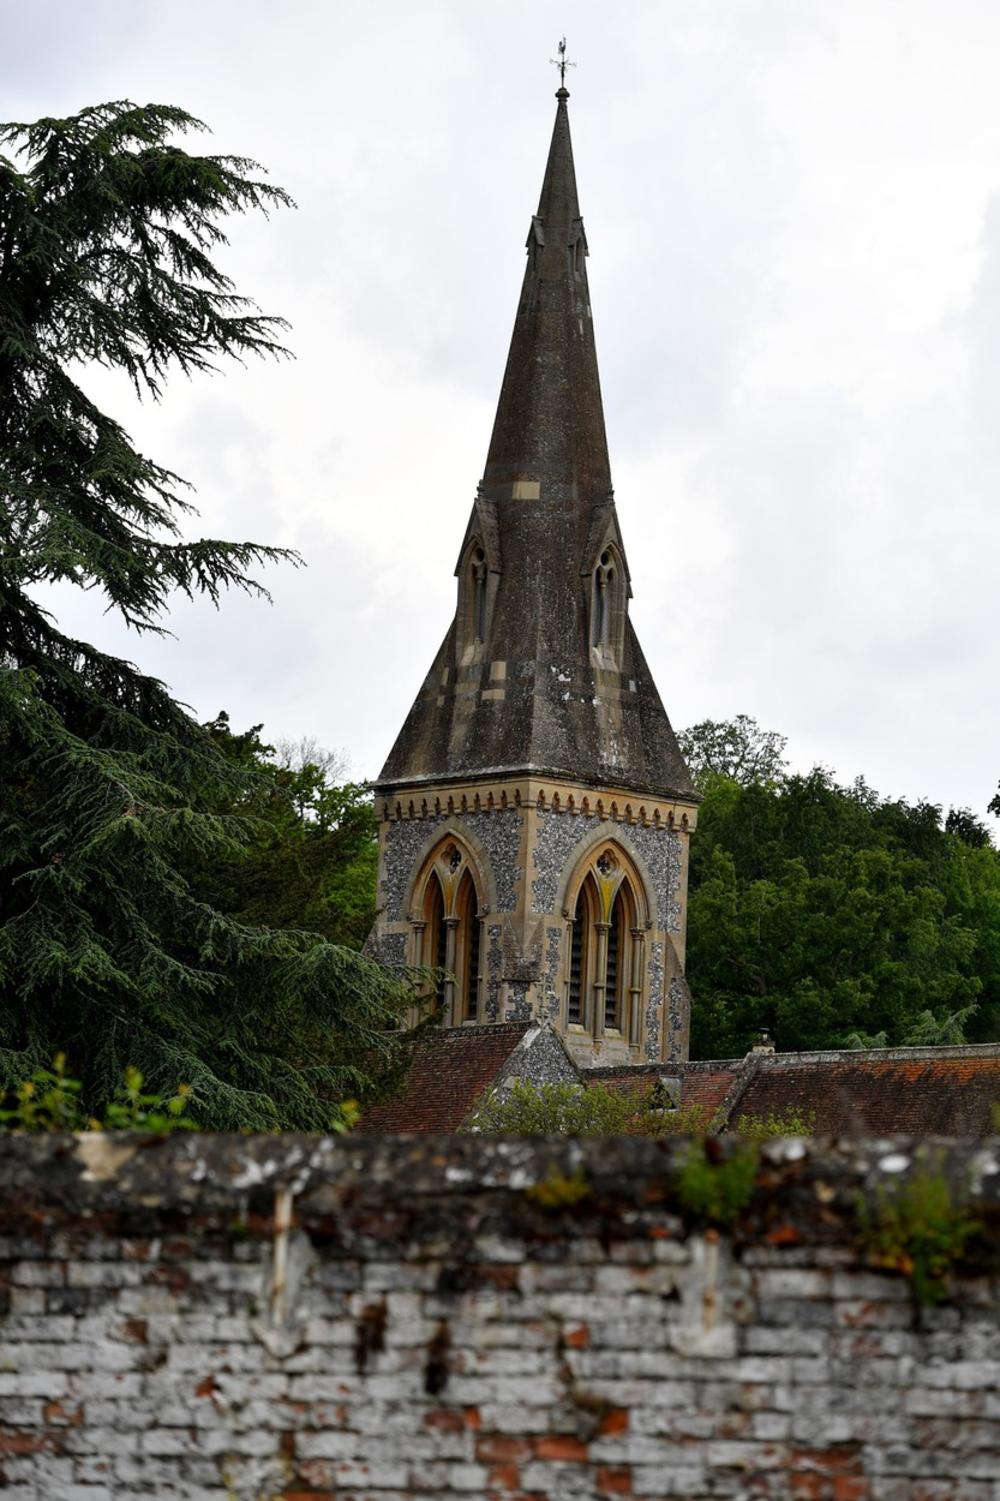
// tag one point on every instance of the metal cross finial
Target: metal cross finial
(562, 63)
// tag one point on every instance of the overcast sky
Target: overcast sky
(793, 212)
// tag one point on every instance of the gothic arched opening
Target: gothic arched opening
(607, 940)
(447, 929)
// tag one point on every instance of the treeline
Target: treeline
(827, 914)
(830, 915)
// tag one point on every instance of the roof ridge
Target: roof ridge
(882, 1055)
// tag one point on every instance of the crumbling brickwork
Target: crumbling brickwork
(459, 1317)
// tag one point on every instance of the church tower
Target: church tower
(535, 810)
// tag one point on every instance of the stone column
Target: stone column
(635, 986)
(567, 950)
(450, 947)
(602, 930)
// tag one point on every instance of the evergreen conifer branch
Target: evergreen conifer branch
(114, 802)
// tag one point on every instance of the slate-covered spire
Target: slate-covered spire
(550, 422)
(540, 670)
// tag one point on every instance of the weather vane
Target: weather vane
(562, 63)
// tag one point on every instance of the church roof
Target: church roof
(917, 1091)
(534, 695)
(943, 1091)
(450, 1070)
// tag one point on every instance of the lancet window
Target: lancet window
(446, 930)
(607, 611)
(479, 594)
(607, 941)
(473, 600)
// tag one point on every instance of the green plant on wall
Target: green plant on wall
(715, 1186)
(919, 1227)
(559, 1190)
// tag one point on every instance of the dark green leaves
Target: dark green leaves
(120, 817)
(835, 917)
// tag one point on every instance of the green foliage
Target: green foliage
(964, 824)
(737, 750)
(919, 1227)
(135, 1111)
(714, 1185)
(559, 1191)
(837, 918)
(47, 1101)
(528, 1109)
(311, 860)
(120, 817)
(576, 1110)
(50, 1100)
(759, 1128)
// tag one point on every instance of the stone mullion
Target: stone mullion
(600, 985)
(635, 988)
(450, 951)
(417, 940)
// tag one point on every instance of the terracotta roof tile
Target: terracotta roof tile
(448, 1073)
(701, 1084)
(707, 1089)
(875, 1096)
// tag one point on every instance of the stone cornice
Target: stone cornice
(545, 794)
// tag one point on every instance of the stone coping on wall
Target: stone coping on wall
(811, 1184)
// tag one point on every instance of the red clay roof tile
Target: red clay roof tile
(871, 1095)
(449, 1072)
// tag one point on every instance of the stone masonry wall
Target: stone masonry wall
(292, 1317)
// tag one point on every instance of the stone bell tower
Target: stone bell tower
(535, 809)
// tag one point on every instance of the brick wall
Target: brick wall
(426, 1326)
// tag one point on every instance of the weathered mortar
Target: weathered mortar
(437, 1330)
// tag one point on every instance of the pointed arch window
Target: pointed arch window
(585, 915)
(479, 594)
(607, 612)
(467, 967)
(447, 929)
(474, 594)
(605, 980)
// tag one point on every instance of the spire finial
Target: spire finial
(562, 63)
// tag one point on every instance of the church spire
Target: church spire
(535, 809)
(549, 426)
(540, 671)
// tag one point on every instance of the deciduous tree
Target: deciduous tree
(735, 748)
(836, 917)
